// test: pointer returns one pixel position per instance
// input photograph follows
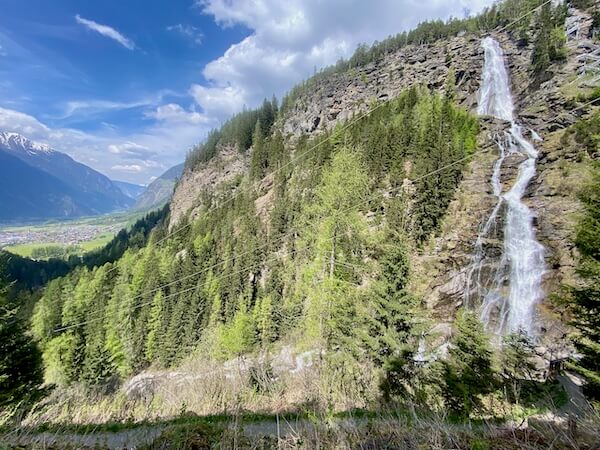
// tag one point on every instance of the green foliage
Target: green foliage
(587, 134)
(239, 131)
(238, 337)
(550, 40)
(584, 299)
(29, 274)
(516, 362)
(20, 364)
(469, 371)
(324, 261)
(399, 376)
(56, 251)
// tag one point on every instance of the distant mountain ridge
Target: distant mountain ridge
(73, 189)
(129, 189)
(160, 190)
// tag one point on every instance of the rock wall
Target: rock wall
(341, 96)
(546, 107)
(223, 168)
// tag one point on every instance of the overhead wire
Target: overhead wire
(384, 194)
(302, 155)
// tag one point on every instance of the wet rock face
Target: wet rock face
(344, 95)
(551, 195)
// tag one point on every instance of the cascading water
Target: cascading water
(507, 285)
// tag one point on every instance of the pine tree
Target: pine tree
(259, 162)
(516, 362)
(393, 308)
(155, 326)
(584, 298)
(20, 362)
(263, 318)
(469, 371)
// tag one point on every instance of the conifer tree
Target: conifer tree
(338, 239)
(584, 298)
(516, 362)
(155, 326)
(469, 371)
(263, 318)
(20, 368)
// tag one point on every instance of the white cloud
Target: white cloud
(152, 150)
(18, 122)
(173, 112)
(2, 52)
(106, 31)
(193, 34)
(292, 38)
(219, 102)
(131, 150)
(135, 168)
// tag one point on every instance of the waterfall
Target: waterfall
(506, 285)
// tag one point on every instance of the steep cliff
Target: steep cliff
(440, 268)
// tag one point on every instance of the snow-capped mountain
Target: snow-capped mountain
(88, 191)
(18, 143)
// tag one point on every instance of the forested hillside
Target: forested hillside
(238, 281)
(320, 254)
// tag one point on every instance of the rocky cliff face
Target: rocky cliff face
(552, 195)
(225, 167)
(342, 96)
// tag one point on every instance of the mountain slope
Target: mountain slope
(129, 189)
(308, 257)
(101, 195)
(48, 197)
(160, 190)
(84, 190)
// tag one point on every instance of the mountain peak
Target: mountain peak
(18, 142)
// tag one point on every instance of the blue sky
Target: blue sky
(128, 86)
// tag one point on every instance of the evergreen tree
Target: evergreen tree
(393, 308)
(469, 371)
(584, 298)
(263, 318)
(516, 362)
(155, 326)
(20, 362)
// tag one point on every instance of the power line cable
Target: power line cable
(294, 229)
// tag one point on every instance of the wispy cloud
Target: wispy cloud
(2, 52)
(173, 112)
(106, 31)
(193, 34)
(135, 168)
(89, 107)
(131, 150)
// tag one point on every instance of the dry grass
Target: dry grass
(205, 388)
(245, 406)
